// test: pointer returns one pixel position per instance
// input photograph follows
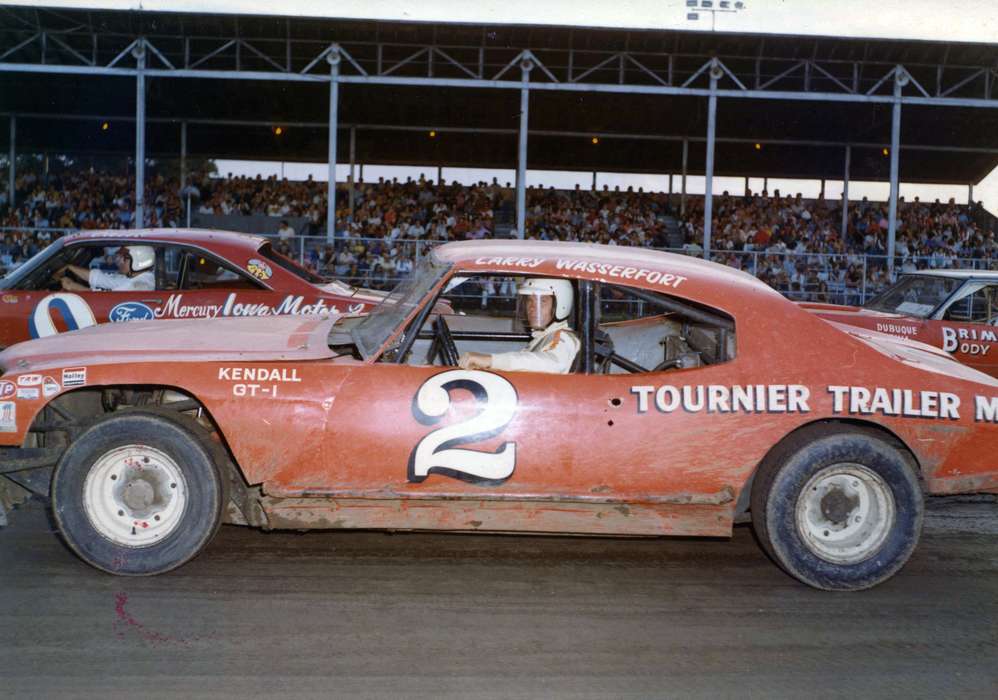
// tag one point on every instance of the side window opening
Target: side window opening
(196, 270)
(979, 307)
(643, 331)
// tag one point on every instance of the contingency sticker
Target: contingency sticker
(28, 394)
(8, 417)
(74, 376)
(7, 389)
(259, 269)
(50, 387)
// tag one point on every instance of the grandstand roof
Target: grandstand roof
(477, 127)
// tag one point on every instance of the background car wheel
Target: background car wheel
(839, 509)
(138, 493)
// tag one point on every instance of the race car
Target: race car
(192, 273)
(696, 397)
(955, 310)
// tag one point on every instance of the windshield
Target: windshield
(386, 318)
(915, 295)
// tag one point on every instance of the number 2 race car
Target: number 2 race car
(698, 397)
(195, 274)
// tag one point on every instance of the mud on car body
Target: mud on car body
(699, 397)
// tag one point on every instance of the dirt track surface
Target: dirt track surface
(377, 615)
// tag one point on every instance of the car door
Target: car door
(968, 326)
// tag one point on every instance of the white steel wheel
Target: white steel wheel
(845, 513)
(135, 495)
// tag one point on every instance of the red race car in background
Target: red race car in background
(198, 274)
(954, 310)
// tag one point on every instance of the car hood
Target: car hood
(367, 296)
(269, 338)
(848, 312)
(916, 354)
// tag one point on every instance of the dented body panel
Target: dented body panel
(338, 442)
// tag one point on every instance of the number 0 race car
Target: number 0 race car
(197, 274)
(956, 310)
(698, 397)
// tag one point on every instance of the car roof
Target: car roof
(714, 279)
(191, 236)
(990, 275)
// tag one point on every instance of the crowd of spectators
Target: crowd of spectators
(794, 244)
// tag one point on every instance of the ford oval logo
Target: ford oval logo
(130, 311)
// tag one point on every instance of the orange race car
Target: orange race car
(116, 276)
(956, 310)
(657, 395)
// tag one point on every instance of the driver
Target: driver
(554, 345)
(134, 273)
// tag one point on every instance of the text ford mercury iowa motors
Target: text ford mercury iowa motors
(698, 396)
(197, 274)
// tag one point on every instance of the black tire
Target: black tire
(777, 496)
(184, 442)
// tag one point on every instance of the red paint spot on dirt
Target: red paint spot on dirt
(125, 622)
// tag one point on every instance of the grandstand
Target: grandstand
(77, 82)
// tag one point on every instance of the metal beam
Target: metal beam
(183, 155)
(139, 52)
(611, 88)
(12, 169)
(333, 58)
(900, 80)
(526, 65)
(845, 193)
(708, 194)
(353, 160)
(682, 196)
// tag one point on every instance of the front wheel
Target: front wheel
(839, 511)
(138, 493)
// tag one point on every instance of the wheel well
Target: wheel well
(803, 434)
(71, 413)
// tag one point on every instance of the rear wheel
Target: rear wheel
(138, 493)
(841, 510)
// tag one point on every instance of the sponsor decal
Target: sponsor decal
(10, 299)
(291, 305)
(71, 308)
(8, 417)
(969, 341)
(28, 393)
(7, 389)
(74, 376)
(249, 381)
(130, 311)
(895, 329)
(50, 387)
(259, 269)
(29, 380)
(637, 274)
(750, 398)
(795, 398)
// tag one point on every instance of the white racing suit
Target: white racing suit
(551, 350)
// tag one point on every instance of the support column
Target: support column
(970, 194)
(746, 186)
(822, 188)
(900, 80)
(765, 185)
(183, 155)
(845, 193)
(526, 65)
(594, 181)
(682, 195)
(440, 174)
(708, 195)
(670, 185)
(333, 58)
(353, 160)
(140, 133)
(12, 170)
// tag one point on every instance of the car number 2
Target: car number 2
(436, 454)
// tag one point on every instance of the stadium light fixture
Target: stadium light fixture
(697, 7)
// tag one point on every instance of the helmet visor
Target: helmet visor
(535, 307)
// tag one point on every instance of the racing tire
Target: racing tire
(138, 493)
(838, 508)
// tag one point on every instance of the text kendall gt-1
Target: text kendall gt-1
(575, 389)
(117, 276)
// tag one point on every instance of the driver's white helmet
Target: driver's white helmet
(143, 257)
(560, 289)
